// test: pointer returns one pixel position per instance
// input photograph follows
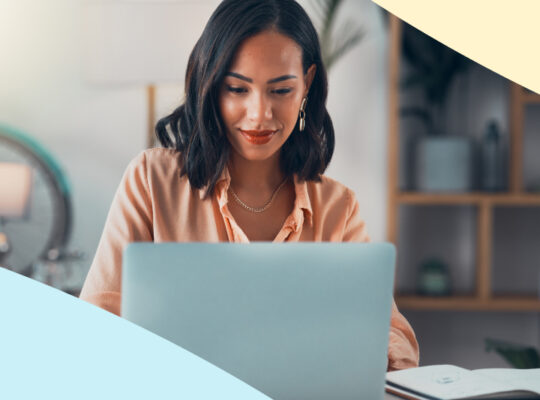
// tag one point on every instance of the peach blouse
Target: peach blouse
(153, 203)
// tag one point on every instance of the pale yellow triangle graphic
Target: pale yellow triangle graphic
(502, 35)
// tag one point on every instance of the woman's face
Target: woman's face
(261, 94)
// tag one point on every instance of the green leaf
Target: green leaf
(348, 36)
(434, 65)
(418, 112)
(517, 355)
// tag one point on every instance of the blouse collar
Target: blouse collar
(302, 204)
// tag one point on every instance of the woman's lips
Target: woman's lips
(258, 137)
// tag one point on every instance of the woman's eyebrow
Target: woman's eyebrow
(273, 80)
(281, 78)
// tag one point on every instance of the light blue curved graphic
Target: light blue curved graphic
(55, 346)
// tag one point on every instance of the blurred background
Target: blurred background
(439, 151)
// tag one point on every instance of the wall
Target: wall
(94, 130)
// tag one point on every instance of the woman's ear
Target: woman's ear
(308, 78)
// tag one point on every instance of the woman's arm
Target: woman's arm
(129, 220)
(403, 349)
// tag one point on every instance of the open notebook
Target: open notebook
(448, 382)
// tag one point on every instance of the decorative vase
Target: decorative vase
(434, 278)
(492, 157)
(445, 164)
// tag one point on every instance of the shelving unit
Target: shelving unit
(469, 303)
(483, 299)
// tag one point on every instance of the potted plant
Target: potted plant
(444, 162)
(517, 355)
(334, 44)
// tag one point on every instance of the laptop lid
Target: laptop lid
(293, 320)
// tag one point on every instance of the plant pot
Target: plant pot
(445, 164)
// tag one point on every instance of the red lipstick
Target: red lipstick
(257, 137)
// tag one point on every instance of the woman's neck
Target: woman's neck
(255, 176)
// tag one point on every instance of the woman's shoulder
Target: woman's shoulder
(157, 160)
(328, 182)
(156, 166)
(157, 156)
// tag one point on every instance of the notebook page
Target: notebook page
(523, 379)
(446, 382)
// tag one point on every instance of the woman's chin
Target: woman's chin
(257, 154)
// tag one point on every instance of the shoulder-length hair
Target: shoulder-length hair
(196, 129)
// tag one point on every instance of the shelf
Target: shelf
(531, 98)
(469, 303)
(473, 198)
(483, 205)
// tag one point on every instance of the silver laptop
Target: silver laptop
(293, 320)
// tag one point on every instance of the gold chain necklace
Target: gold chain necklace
(258, 209)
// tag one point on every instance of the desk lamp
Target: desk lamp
(141, 44)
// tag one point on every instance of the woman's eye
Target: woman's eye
(282, 91)
(233, 89)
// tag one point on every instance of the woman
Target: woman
(244, 155)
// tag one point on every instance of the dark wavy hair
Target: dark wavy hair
(196, 129)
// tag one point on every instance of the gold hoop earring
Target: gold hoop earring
(302, 114)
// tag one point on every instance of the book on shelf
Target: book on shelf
(448, 382)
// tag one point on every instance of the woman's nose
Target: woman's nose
(259, 108)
